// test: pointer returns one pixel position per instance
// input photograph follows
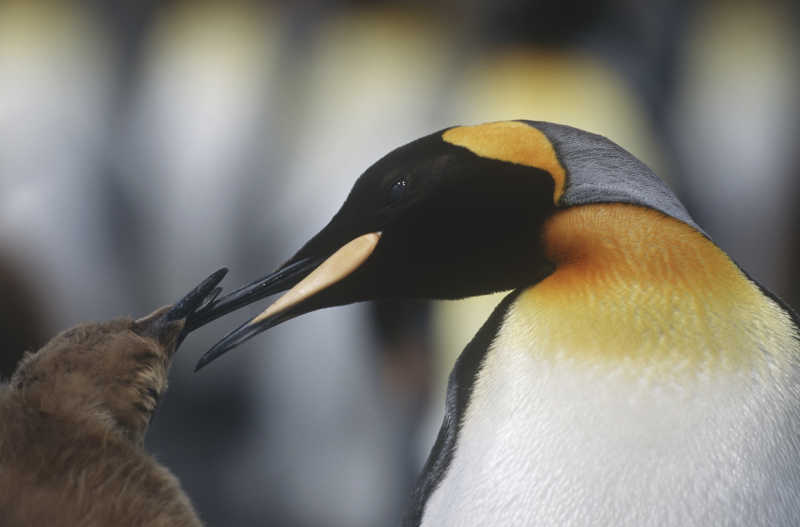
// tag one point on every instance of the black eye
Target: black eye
(398, 190)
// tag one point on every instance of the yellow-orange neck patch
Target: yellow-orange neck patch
(513, 142)
(635, 286)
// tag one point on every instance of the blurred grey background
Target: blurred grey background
(143, 144)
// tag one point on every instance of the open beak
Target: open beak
(161, 324)
(202, 295)
(303, 278)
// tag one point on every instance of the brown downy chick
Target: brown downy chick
(73, 419)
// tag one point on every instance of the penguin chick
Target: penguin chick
(74, 418)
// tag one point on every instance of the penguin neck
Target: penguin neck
(616, 245)
(632, 284)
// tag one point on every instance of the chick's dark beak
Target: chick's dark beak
(169, 324)
(303, 278)
(201, 295)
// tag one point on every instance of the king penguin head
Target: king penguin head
(453, 214)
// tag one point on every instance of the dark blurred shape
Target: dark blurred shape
(793, 298)
(403, 331)
(23, 324)
(540, 23)
(392, 318)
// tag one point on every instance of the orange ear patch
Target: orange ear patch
(513, 142)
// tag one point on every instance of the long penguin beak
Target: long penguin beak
(303, 279)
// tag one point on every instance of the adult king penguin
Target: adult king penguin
(634, 375)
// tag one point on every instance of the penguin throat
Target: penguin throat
(631, 283)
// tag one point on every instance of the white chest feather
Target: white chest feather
(551, 440)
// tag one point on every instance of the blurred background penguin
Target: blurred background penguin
(143, 141)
